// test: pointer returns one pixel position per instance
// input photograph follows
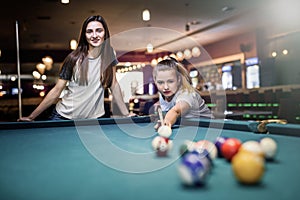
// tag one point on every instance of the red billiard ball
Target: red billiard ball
(230, 147)
(162, 145)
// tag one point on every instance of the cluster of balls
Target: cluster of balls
(196, 162)
(247, 158)
(162, 143)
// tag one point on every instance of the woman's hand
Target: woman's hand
(132, 115)
(25, 119)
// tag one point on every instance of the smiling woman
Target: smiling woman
(84, 75)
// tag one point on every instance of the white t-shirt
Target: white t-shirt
(198, 108)
(81, 102)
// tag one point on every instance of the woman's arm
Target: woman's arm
(117, 95)
(50, 98)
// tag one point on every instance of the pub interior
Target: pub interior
(248, 75)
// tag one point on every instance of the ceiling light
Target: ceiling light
(285, 51)
(73, 44)
(179, 55)
(149, 48)
(65, 1)
(44, 77)
(48, 61)
(274, 54)
(159, 59)
(196, 52)
(36, 75)
(41, 68)
(153, 62)
(187, 54)
(127, 64)
(13, 78)
(172, 55)
(146, 15)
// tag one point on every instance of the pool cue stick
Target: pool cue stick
(160, 114)
(18, 68)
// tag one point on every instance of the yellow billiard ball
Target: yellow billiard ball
(248, 168)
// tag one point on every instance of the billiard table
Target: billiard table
(112, 158)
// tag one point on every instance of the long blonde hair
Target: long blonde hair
(182, 74)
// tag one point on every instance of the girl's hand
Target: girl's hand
(158, 124)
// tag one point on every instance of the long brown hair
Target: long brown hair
(80, 55)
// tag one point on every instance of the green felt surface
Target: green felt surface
(116, 161)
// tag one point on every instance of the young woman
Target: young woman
(177, 97)
(84, 75)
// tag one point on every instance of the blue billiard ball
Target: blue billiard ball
(205, 157)
(192, 169)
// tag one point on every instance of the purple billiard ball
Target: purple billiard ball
(219, 142)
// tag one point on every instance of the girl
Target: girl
(84, 75)
(177, 97)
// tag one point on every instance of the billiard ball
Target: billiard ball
(162, 145)
(269, 147)
(192, 170)
(219, 142)
(205, 158)
(187, 146)
(230, 148)
(209, 146)
(248, 168)
(253, 147)
(164, 131)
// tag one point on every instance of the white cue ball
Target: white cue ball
(269, 147)
(164, 131)
(253, 147)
